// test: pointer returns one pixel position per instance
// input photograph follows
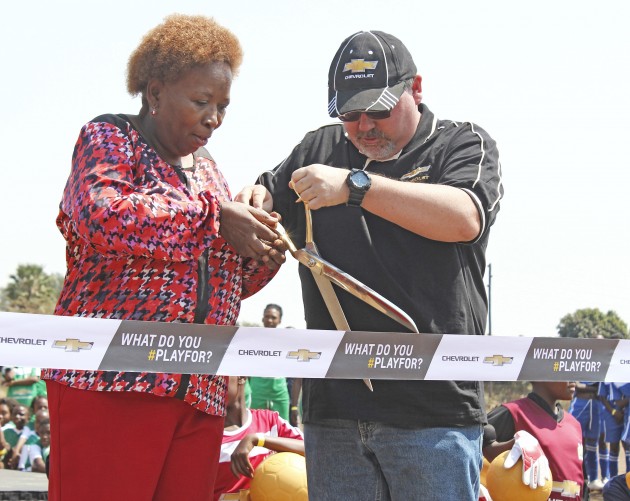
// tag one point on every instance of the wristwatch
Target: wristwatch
(359, 183)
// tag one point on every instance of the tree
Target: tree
(592, 323)
(31, 290)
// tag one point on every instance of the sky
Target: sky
(547, 80)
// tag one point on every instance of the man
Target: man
(270, 392)
(402, 201)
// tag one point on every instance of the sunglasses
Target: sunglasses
(353, 116)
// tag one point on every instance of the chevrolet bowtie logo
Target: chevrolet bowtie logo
(498, 360)
(73, 345)
(360, 65)
(303, 355)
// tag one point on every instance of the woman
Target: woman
(152, 235)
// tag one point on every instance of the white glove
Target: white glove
(535, 464)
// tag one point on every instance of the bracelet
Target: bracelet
(261, 439)
(294, 407)
(614, 412)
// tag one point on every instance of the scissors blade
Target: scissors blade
(334, 308)
(350, 284)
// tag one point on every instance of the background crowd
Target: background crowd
(601, 409)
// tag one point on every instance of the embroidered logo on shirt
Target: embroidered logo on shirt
(417, 175)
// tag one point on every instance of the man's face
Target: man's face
(271, 318)
(381, 139)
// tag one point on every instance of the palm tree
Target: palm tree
(31, 290)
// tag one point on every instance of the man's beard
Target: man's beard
(382, 151)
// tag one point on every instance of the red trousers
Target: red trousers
(129, 446)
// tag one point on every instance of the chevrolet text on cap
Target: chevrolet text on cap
(368, 73)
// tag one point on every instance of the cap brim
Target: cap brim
(365, 100)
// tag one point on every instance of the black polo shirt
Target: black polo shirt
(440, 285)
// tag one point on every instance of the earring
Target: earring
(153, 112)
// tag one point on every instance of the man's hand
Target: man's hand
(257, 196)
(249, 231)
(535, 464)
(320, 185)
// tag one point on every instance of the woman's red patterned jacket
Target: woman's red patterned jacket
(143, 243)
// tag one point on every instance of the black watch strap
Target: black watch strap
(356, 198)
(358, 187)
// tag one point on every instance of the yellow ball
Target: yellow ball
(280, 477)
(507, 484)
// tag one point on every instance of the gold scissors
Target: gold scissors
(326, 274)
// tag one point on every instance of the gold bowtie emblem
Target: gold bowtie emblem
(360, 65)
(73, 345)
(303, 355)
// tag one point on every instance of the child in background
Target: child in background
(25, 440)
(612, 420)
(587, 409)
(4, 449)
(39, 402)
(623, 403)
(6, 407)
(13, 431)
(249, 436)
(23, 384)
(270, 392)
(5, 417)
(39, 449)
(557, 433)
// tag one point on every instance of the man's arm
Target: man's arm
(434, 211)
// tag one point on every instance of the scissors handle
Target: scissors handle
(309, 226)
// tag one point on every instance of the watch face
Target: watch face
(360, 179)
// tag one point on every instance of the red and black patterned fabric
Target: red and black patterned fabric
(143, 243)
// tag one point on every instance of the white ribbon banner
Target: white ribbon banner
(125, 345)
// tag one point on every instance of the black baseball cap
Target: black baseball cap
(368, 73)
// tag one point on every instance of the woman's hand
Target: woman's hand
(249, 231)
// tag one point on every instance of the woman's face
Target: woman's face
(189, 109)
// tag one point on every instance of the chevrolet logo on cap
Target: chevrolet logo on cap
(498, 360)
(303, 355)
(73, 345)
(360, 65)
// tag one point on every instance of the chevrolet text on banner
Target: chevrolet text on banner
(124, 345)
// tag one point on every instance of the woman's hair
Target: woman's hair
(180, 43)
